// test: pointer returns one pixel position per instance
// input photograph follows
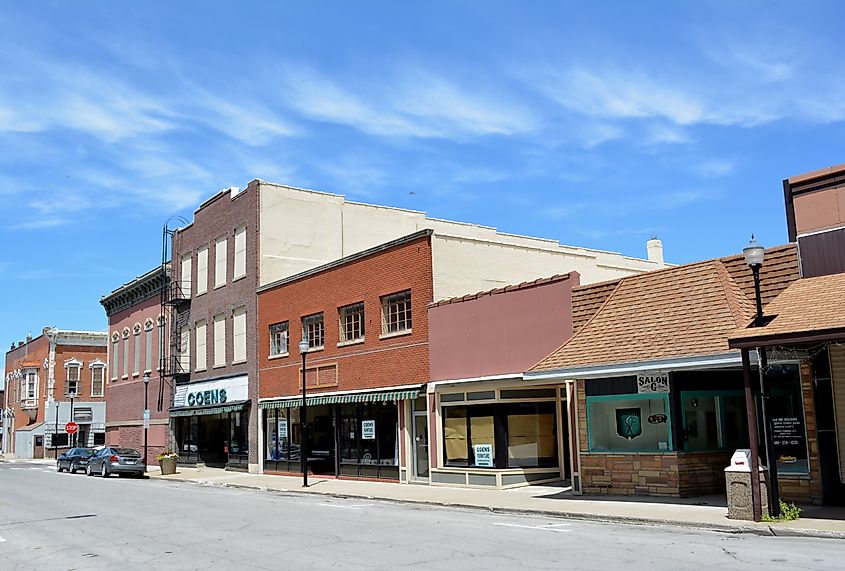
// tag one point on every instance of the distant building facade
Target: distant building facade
(45, 378)
(137, 328)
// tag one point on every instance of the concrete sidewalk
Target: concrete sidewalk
(555, 500)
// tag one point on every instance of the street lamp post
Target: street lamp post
(72, 442)
(303, 417)
(56, 433)
(146, 416)
(754, 254)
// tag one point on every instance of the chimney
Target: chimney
(12, 348)
(20, 343)
(29, 337)
(655, 251)
(234, 191)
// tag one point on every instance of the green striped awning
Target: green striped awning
(214, 409)
(382, 396)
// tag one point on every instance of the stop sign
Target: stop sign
(71, 427)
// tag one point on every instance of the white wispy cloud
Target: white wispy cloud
(715, 168)
(413, 103)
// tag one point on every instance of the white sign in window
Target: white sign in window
(652, 383)
(368, 429)
(483, 455)
(283, 428)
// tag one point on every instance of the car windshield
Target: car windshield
(126, 452)
(85, 451)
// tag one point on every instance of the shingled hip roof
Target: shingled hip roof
(666, 315)
(809, 309)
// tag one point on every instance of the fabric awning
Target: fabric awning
(382, 396)
(213, 409)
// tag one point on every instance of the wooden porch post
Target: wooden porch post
(756, 505)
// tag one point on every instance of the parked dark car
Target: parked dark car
(74, 459)
(113, 460)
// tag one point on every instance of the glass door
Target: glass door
(420, 445)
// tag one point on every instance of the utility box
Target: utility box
(738, 484)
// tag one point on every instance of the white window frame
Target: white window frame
(71, 364)
(239, 269)
(221, 247)
(348, 312)
(184, 361)
(185, 276)
(97, 365)
(202, 270)
(219, 359)
(136, 350)
(309, 325)
(29, 379)
(148, 345)
(387, 313)
(279, 339)
(115, 350)
(239, 335)
(125, 353)
(201, 343)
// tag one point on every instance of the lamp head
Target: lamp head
(303, 344)
(146, 378)
(753, 253)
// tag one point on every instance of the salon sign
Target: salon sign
(648, 383)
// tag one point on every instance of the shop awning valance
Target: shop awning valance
(383, 396)
(214, 409)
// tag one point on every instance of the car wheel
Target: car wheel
(88, 471)
(72, 468)
(58, 467)
(103, 471)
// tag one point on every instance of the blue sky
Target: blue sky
(595, 123)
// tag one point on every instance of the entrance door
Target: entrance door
(38, 447)
(421, 445)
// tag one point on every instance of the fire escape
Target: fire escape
(176, 312)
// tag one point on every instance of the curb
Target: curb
(750, 529)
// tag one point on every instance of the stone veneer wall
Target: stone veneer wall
(688, 473)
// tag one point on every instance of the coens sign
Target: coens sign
(653, 383)
(212, 396)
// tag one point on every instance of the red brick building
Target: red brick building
(46, 377)
(366, 320)
(136, 333)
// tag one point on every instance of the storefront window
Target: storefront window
(629, 423)
(368, 440)
(714, 421)
(531, 437)
(785, 408)
(500, 435)
(282, 430)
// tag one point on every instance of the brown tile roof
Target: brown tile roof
(524, 285)
(808, 305)
(677, 312)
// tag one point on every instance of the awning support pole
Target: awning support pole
(756, 505)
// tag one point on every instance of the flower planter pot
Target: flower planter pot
(168, 466)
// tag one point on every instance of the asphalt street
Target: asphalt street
(63, 521)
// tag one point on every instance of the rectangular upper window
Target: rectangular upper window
(351, 322)
(97, 377)
(202, 270)
(279, 338)
(185, 276)
(184, 361)
(219, 340)
(396, 313)
(240, 253)
(313, 326)
(239, 335)
(72, 385)
(220, 261)
(136, 347)
(114, 359)
(201, 341)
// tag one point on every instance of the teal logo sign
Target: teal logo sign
(628, 423)
(213, 396)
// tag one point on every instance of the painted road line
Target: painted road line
(344, 507)
(549, 527)
(2, 539)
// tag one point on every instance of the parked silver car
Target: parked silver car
(113, 460)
